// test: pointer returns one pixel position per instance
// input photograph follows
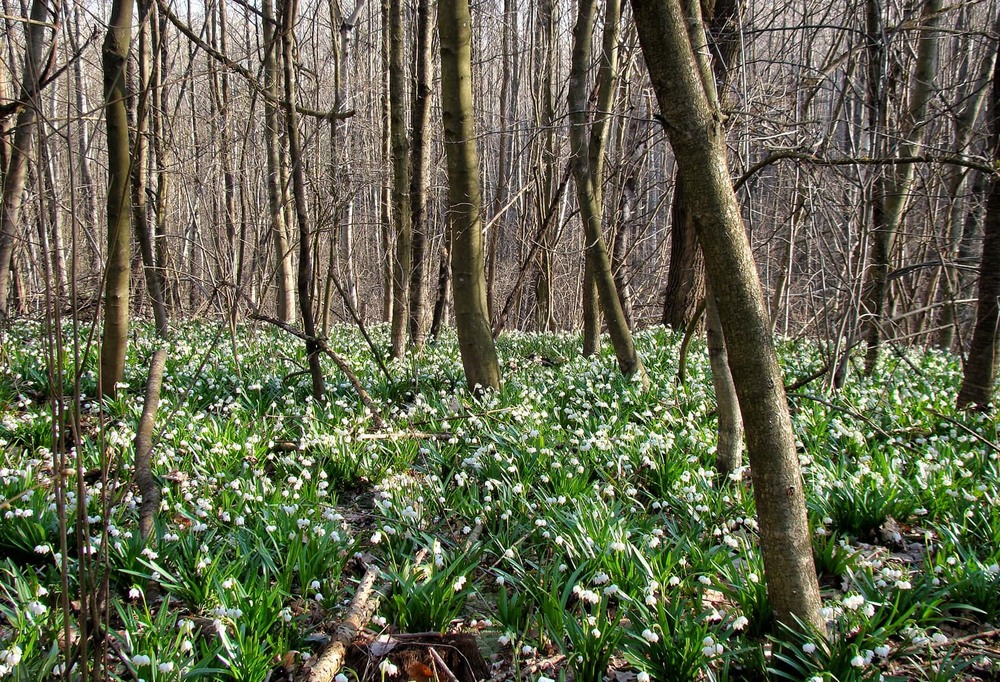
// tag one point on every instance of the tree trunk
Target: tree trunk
(475, 339)
(546, 41)
(588, 164)
(141, 216)
(400, 147)
(114, 341)
(686, 271)
(981, 366)
(729, 446)
(305, 271)
(897, 188)
(697, 135)
(420, 151)
(15, 177)
(275, 192)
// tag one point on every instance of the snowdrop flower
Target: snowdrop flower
(643, 676)
(939, 638)
(809, 647)
(858, 661)
(341, 677)
(387, 667)
(166, 667)
(36, 608)
(141, 659)
(186, 646)
(650, 599)
(740, 623)
(459, 584)
(650, 636)
(704, 580)
(854, 602)
(134, 593)
(710, 647)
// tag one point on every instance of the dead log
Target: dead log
(358, 614)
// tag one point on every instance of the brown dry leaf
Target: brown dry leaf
(418, 672)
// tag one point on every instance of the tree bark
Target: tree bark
(697, 135)
(420, 150)
(400, 153)
(729, 446)
(475, 339)
(284, 266)
(15, 177)
(588, 164)
(981, 366)
(114, 340)
(897, 189)
(305, 270)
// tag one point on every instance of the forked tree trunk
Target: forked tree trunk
(981, 366)
(588, 165)
(697, 135)
(114, 341)
(475, 339)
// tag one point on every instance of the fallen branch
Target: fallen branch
(358, 614)
(143, 476)
(337, 360)
(441, 666)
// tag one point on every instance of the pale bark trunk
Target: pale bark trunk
(697, 135)
(475, 339)
(284, 266)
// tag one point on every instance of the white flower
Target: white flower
(134, 593)
(882, 651)
(387, 667)
(186, 646)
(939, 638)
(650, 636)
(141, 659)
(854, 602)
(858, 661)
(809, 647)
(341, 677)
(642, 677)
(459, 584)
(650, 600)
(166, 667)
(37, 608)
(704, 580)
(741, 623)
(903, 585)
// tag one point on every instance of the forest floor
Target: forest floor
(567, 526)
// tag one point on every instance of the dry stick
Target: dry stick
(441, 665)
(143, 475)
(358, 614)
(686, 343)
(337, 360)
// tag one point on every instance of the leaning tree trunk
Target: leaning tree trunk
(981, 365)
(400, 153)
(15, 175)
(475, 339)
(697, 136)
(588, 164)
(898, 187)
(114, 341)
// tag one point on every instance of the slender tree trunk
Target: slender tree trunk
(697, 135)
(588, 163)
(284, 266)
(546, 42)
(114, 341)
(443, 280)
(981, 366)
(15, 177)
(898, 188)
(686, 270)
(400, 177)
(420, 127)
(305, 271)
(141, 215)
(729, 446)
(475, 339)
(591, 310)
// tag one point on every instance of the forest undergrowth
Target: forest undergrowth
(570, 525)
